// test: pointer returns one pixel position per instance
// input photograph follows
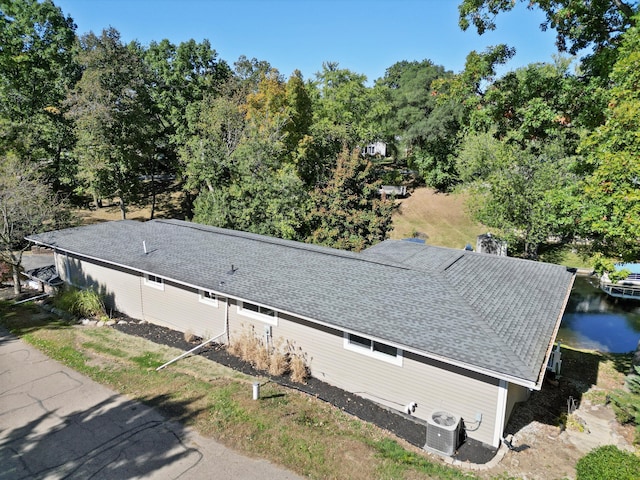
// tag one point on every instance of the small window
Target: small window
(208, 297)
(360, 341)
(154, 282)
(369, 347)
(258, 312)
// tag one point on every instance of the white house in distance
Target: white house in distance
(375, 148)
(464, 335)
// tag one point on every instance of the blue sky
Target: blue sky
(366, 37)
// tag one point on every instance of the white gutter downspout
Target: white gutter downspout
(501, 409)
(226, 315)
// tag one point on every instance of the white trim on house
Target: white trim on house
(208, 297)
(501, 411)
(372, 348)
(262, 313)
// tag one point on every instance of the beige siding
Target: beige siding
(176, 307)
(515, 394)
(179, 308)
(432, 385)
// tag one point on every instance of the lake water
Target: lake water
(593, 320)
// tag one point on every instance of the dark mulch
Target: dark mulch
(404, 426)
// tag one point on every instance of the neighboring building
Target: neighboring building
(375, 149)
(453, 331)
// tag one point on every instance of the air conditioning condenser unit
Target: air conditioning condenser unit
(443, 432)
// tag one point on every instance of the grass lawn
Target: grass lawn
(289, 428)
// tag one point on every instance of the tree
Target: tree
(579, 24)
(612, 188)
(348, 212)
(427, 129)
(216, 126)
(519, 193)
(520, 153)
(36, 68)
(344, 110)
(27, 206)
(111, 108)
(262, 195)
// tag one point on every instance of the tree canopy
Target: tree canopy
(548, 151)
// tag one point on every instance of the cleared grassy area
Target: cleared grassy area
(285, 426)
(441, 219)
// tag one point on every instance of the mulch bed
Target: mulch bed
(403, 426)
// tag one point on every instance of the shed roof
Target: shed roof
(491, 314)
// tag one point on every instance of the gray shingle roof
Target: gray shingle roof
(492, 314)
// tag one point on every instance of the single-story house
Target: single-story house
(462, 335)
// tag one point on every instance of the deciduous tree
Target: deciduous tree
(348, 212)
(36, 68)
(595, 24)
(612, 190)
(27, 206)
(114, 118)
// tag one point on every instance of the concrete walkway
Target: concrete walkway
(56, 423)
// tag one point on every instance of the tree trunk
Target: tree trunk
(17, 286)
(153, 196)
(123, 208)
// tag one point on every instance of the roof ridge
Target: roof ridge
(282, 242)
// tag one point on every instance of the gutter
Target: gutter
(543, 370)
(536, 385)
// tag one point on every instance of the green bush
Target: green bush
(84, 303)
(626, 403)
(608, 462)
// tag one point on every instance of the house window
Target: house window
(154, 282)
(371, 348)
(208, 297)
(258, 312)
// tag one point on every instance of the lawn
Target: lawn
(285, 426)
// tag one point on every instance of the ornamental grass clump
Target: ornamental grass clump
(82, 303)
(278, 358)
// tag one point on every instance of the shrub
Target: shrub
(608, 462)
(83, 303)
(626, 404)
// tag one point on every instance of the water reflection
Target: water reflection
(596, 321)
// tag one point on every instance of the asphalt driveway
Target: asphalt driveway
(56, 423)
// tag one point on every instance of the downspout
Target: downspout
(224, 332)
(501, 411)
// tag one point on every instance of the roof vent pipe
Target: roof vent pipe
(144, 247)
